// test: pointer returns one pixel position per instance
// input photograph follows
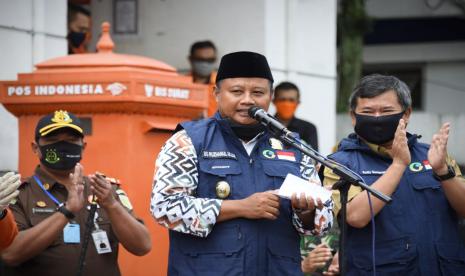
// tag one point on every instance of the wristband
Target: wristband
(450, 174)
(67, 213)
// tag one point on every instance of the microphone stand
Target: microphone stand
(347, 178)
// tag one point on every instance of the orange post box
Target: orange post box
(129, 105)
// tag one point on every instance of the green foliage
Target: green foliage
(353, 23)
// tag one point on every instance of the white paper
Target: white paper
(293, 184)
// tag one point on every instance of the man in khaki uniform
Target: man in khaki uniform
(53, 207)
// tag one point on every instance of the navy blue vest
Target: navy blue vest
(238, 246)
(416, 234)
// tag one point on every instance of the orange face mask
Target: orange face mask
(285, 109)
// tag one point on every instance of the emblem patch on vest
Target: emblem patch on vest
(223, 189)
(269, 154)
(276, 144)
(419, 166)
(286, 155)
(218, 155)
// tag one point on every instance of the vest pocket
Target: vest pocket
(221, 253)
(283, 257)
(213, 171)
(397, 256)
(431, 194)
(451, 258)
(278, 170)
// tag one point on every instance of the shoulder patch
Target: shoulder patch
(124, 199)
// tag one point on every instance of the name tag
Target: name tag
(372, 172)
(218, 155)
(43, 210)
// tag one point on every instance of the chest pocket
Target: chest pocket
(212, 171)
(428, 191)
(37, 218)
(277, 170)
(396, 207)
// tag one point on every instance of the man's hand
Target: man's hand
(304, 203)
(399, 151)
(9, 184)
(102, 189)
(317, 258)
(263, 205)
(438, 150)
(333, 268)
(75, 200)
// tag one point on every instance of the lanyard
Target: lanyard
(47, 192)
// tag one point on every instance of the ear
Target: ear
(35, 149)
(407, 114)
(84, 145)
(216, 93)
(352, 117)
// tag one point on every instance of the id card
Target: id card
(72, 233)
(101, 242)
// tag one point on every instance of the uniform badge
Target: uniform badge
(276, 144)
(41, 204)
(46, 186)
(222, 189)
(269, 154)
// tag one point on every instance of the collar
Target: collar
(224, 124)
(383, 151)
(378, 149)
(46, 179)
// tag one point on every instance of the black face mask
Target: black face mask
(76, 38)
(246, 132)
(60, 155)
(377, 129)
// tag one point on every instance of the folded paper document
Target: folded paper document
(293, 184)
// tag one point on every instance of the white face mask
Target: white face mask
(203, 68)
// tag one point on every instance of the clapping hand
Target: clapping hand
(9, 184)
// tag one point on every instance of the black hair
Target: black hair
(201, 45)
(376, 84)
(286, 85)
(74, 9)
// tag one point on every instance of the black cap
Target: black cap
(57, 120)
(244, 65)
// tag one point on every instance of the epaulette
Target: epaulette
(113, 181)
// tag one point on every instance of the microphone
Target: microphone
(269, 121)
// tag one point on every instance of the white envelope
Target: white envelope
(293, 184)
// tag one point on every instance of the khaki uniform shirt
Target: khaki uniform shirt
(59, 258)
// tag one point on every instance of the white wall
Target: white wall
(168, 28)
(444, 87)
(297, 36)
(31, 31)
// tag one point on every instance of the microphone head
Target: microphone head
(253, 110)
